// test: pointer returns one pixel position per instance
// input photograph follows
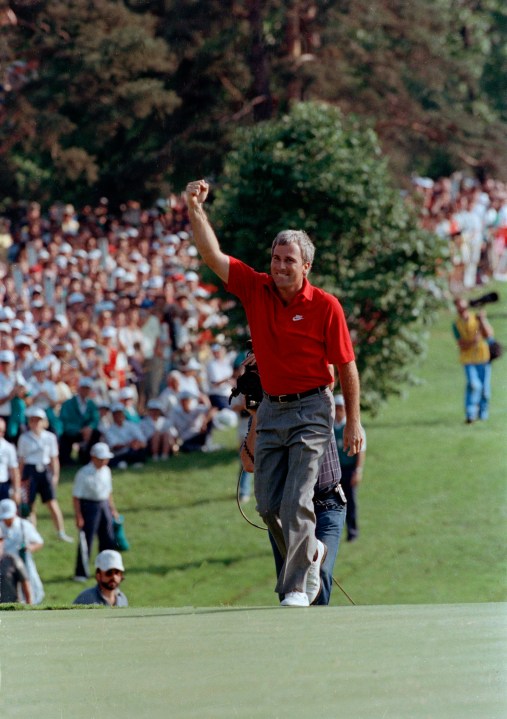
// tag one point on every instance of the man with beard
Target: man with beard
(109, 573)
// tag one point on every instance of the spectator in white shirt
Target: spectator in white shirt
(159, 432)
(10, 485)
(40, 468)
(193, 422)
(125, 440)
(94, 508)
(219, 373)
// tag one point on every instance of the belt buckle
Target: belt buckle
(281, 399)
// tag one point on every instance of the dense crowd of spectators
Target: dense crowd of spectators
(472, 216)
(115, 300)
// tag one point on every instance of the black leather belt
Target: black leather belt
(293, 397)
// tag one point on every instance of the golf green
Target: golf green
(387, 662)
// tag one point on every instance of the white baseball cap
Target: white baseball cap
(8, 509)
(109, 559)
(35, 412)
(101, 451)
(339, 400)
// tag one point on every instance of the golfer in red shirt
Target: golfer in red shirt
(298, 332)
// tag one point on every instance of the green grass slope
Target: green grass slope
(432, 509)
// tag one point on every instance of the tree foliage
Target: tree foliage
(92, 116)
(317, 171)
(120, 96)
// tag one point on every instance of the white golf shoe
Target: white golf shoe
(295, 599)
(313, 581)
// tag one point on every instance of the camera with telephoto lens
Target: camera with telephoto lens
(249, 385)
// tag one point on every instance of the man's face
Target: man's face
(111, 579)
(287, 267)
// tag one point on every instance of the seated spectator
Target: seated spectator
(40, 468)
(125, 440)
(159, 432)
(79, 419)
(43, 393)
(14, 582)
(13, 393)
(22, 540)
(169, 397)
(220, 373)
(127, 397)
(94, 508)
(109, 573)
(193, 422)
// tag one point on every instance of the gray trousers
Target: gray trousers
(292, 438)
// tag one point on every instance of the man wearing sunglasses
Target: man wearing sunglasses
(109, 573)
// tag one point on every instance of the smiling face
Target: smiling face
(288, 269)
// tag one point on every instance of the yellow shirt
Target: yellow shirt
(470, 331)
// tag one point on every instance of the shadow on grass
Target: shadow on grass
(177, 507)
(163, 569)
(179, 611)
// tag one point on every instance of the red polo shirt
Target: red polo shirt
(294, 343)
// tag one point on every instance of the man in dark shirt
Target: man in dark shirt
(13, 575)
(109, 573)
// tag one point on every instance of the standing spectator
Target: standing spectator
(79, 419)
(471, 332)
(10, 485)
(352, 469)
(125, 440)
(94, 508)
(109, 574)
(219, 372)
(14, 582)
(22, 540)
(40, 468)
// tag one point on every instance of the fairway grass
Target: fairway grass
(396, 662)
(432, 509)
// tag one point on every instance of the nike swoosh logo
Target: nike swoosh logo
(296, 318)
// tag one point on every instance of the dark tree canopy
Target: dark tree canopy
(121, 97)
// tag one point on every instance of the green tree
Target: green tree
(91, 119)
(314, 170)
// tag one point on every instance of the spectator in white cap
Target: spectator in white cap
(80, 419)
(109, 573)
(128, 398)
(40, 468)
(21, 539)
(13, 392)
(43, 392)
(94, 508)
(14, 582)
(125, 439)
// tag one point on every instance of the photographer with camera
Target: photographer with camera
(298, 332)
(473, 333)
